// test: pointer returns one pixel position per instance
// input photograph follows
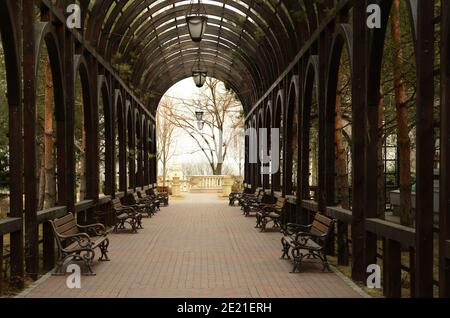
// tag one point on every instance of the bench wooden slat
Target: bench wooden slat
(66, 227)
(323, 219)
(63, 220)
(321, 228)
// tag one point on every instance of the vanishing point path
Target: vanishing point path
(197, 247)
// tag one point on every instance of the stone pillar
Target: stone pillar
(226, 186)
(176, 186)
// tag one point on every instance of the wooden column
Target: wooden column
(444, 206)
(92, 142)
(425, 149)
(392, 274)
(13, 36)
(325, 166)
(131, 135)
(110, 155)
(70, 119)
(326, 133)
(358, 131)
(146, 174)
(29, 80)
(122, 132)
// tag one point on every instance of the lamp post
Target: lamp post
(196, 20)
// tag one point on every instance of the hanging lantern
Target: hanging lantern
(196, 20)
(200, 124)
(199, 73)
(199, 77)
(199, 115)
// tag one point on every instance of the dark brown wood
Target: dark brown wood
(48, 246)
(444, 188)
(50, 214)
(358, 133)
(342, 244)
(29, 80)
(1, 264)
(67, 41)
(10, 225)
(392, 264)
(396, 232)
(425, 149)
(10, 21)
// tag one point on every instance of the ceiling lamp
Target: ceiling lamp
(199, 73)
(200, 125)
(199, 115)
(196, 20)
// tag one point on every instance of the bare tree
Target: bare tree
(166, 140)
(222, 116)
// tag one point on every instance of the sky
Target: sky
(186, 148)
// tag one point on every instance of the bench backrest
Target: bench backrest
(261, 194)
(135, 197)
(322, 226)
(116, 203)
(279, 205)
(65, 225)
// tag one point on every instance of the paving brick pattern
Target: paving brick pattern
(198, 247)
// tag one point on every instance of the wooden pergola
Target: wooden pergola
(272, 54)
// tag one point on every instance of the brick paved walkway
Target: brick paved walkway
(198, 247)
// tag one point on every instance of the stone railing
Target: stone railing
(201, 184)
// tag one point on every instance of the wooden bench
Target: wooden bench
(246, 197)
(150, 199)
(270, 213)
(310, 241)
(143, 206)
(252, 204)
(78, 242)
(125, 214)
(161, 196)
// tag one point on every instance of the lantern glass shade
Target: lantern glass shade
(199, 78)
(196, 26)
(200, 124)
(199, 115)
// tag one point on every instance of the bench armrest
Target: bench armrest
(97, 229)
(125, 209)
(293, 228)
(302, 237)
(82, 239)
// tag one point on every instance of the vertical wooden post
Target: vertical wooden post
(326, 133)
(1, 263)
(131, 134)
(444, 206)
(358, 131)
(70, 119)
(14, 36)
(425, 149)
(371, 137)
(146, 179)
(29, 80)
(392, 266)
(298, 206)
(121, 130)
(48, 246)
(92, 139)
